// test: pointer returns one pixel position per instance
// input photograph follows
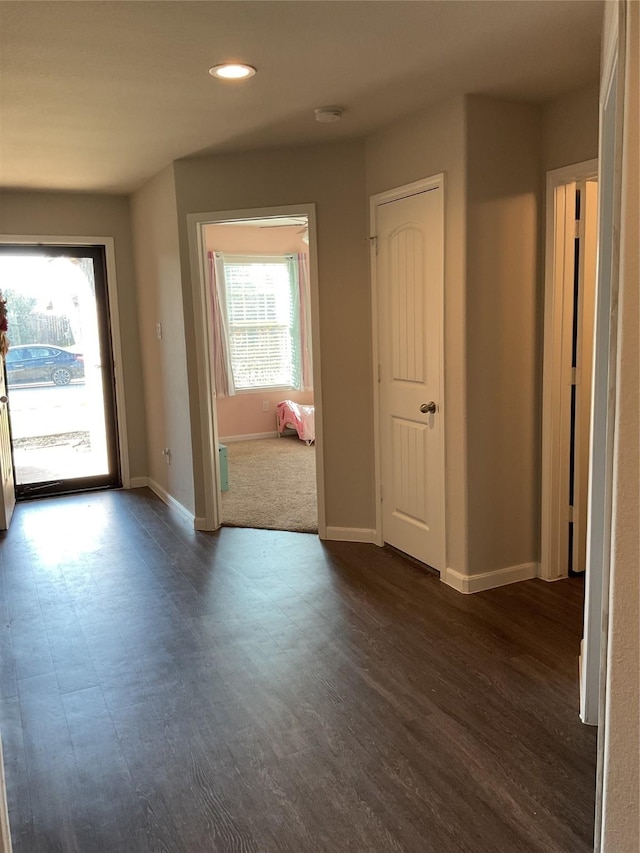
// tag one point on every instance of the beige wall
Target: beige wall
(621, 796)
(489, 151)
(418, 147)
(79, 215)
(490, 154)
(503, 333)
(254, 240)
(570, 128)
(155, 232)
(332, 177)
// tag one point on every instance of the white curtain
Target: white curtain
(301, 326)
(221, 350)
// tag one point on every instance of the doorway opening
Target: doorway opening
(568, 368)
(258, 294)
(568, 385)
(59, 369)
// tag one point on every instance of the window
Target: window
(263, 322)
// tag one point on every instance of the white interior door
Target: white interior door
(409, 277)
(8, 492)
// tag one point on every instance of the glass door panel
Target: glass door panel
(59, 369)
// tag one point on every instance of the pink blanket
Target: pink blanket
(300, 418)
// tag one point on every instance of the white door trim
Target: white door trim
(5, 833)
(596, 615)
(206, 386)
(433, 182)
(108, 243)
(554, 440)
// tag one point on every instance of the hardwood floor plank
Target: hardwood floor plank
(58, 817)
(183, 797)
(262, 692)
(106, 792)
(18, 794)
(8, 680)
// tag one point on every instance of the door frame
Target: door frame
(603, 420)
(555, 394)
(108, 244)
(424, 184)
(196, 223)
(5, 831)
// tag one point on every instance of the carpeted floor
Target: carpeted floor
(272, 484)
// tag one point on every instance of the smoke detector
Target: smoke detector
(327, 115)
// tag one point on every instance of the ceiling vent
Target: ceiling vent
(328, 115)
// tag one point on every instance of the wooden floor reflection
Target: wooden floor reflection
(250, 690)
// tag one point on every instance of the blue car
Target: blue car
(39, 363)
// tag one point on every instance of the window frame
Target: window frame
(232, 259)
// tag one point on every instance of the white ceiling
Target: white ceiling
(102, 95)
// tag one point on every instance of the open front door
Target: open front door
(58, 370)
(8, 499)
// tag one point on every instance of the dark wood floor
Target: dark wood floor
(258, 691)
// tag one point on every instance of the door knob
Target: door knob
(4, 399)
(428, 407)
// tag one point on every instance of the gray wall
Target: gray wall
(333, 178)
(157, 258)
(418, 147)
(621, 736)
(493, 154)
(570, 128)
(504, 333)
(80, 215)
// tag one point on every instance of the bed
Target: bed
(290, 415)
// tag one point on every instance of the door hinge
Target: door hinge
(570, 514)
(574, 375)
(374, 243)
(577, 234)
(379, 373)
(381, 492)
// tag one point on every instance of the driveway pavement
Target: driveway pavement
(57, 433)
(37, 410)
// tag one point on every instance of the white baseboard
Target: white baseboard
(349, 534)
(489, 580)
(228, 439)
(170, 501)
(138, 482)
(5, 834)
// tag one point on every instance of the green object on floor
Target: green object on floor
(224, 468)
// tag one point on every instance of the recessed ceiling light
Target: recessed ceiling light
(232, 71)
